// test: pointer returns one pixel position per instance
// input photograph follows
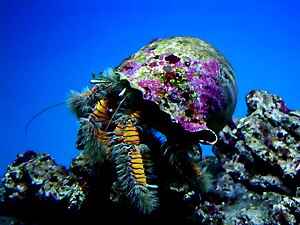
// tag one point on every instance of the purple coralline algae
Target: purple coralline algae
(188, 78)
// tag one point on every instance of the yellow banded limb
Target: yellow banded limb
(102, 106)
(136, 114)
(135, 157)
(141, 181)
(131, 142)
(139, 176)
(90, 92)
(119, 129)
(196, 169)
(137, 166)
(130, 127)
(136, 160)
(138, 171)
(131, 136)
(101, 109)
(130, 133)
(131, 139)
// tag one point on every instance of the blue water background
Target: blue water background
(50, 47)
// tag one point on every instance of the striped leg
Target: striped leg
(200, 180)
(131, 168)
(94, 131)
(182, 157)
(79, 103)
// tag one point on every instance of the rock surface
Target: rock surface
(262, 153)
(256, 173)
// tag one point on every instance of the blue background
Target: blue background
(50, 47)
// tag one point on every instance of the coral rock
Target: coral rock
(35, 182)
(261, 152)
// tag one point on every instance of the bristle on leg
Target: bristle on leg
(94, 140)
(132, 178)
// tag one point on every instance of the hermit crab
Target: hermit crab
(149, 115)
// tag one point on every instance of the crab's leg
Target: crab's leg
(94, 134)
(199, 179)
(79, 103)
(181, 156)
(131, 168)
(106, 83)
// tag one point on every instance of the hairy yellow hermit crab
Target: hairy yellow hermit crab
(149, 115)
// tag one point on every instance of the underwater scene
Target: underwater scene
(150, 112)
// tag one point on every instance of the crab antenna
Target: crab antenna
(113, 115)
(39, 113)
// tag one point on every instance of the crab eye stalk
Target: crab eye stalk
(98, 81)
